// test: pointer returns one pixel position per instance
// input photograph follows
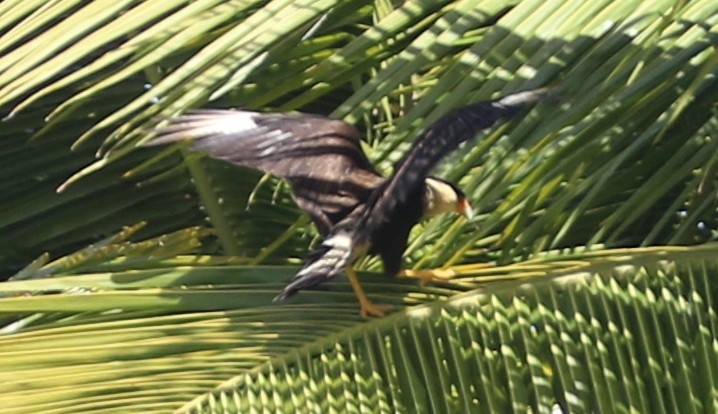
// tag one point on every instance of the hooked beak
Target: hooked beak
(463, 207)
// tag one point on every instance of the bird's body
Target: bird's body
(356, 210)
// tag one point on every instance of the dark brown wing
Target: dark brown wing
(319, 156)
(350, 237)
(435, 142)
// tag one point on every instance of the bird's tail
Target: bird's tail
(326, 262)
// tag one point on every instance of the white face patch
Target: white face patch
(439, 198)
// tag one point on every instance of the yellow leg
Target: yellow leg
(427, 276)
(367, 308)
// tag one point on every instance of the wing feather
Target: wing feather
(321, 157)
(435, 142)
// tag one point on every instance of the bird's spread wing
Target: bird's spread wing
(353, 233)
(319, 156)
(435, 142)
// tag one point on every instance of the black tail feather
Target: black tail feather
(324, 263)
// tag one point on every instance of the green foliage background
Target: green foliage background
(146, 281)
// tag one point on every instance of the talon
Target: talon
(366, 307)
(377, 310)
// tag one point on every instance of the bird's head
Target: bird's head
(444, 197)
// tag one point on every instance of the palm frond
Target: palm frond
(593, 331)
(539, 317)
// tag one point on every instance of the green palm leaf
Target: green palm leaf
(599, 332)
(154, 317)
(583, 340)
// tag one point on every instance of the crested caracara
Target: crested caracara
(356, 210)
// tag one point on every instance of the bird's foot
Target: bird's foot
(427, 276)
(368, 308)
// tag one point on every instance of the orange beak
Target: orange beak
(463, 207)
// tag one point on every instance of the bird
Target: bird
(356, 210)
